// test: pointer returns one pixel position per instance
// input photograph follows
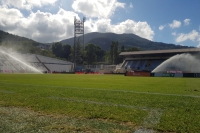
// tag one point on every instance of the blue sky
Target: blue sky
(168, 21)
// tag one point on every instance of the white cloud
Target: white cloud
(9, 18)
(161, 27)
(186, 21)
(40, 26)
(141, 29)
(51, 27)
(174, 33)
(175, 24)
(97, 8)
(193, 35)
(131, 5)
(26, 4)
(47, 27)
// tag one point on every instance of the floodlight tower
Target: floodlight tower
(84, 18)
(78, 31)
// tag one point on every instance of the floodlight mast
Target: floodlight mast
(84, 18)
(78, 31)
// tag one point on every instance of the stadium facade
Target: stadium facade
(173, 62)
(32, 63)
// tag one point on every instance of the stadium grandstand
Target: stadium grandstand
(142, 63)
(32, 63)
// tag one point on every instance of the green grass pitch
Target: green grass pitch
(98, 103)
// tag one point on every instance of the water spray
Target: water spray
(21, 62)
(186, 63)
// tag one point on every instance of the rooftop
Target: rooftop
(189, 50)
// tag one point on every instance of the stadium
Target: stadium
(12, 62)
(161, 63)
(136, 104)
(168, 63)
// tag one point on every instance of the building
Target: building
(32, 63)
(143, 63)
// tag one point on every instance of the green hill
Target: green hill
(23, 45)
(128, 40)
(6, 37)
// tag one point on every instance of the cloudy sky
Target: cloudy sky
(168, 21)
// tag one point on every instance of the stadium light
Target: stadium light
(78, 31)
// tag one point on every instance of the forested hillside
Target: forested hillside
(99, 47)
(128, 40)
(23, 45)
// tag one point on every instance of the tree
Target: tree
(120, 58)
(61, 51)
(133, 49)
(57, 49)
(100, 54)
(114, 52)
(71, 56)
(122, 48)
(79, 53)
(66, 51)
(111, 51)
(91, 56)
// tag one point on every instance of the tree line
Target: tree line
(90, 54)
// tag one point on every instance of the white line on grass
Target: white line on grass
(98, 89)
(99, 103)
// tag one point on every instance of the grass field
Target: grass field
(98, 103)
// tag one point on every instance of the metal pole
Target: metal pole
(74, 44)
(78, 30)
(83, 33)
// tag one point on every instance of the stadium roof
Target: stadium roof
(189, 50)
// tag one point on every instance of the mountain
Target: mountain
(128, 40)
(24, 45)
(102, 39)
(6, 37)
